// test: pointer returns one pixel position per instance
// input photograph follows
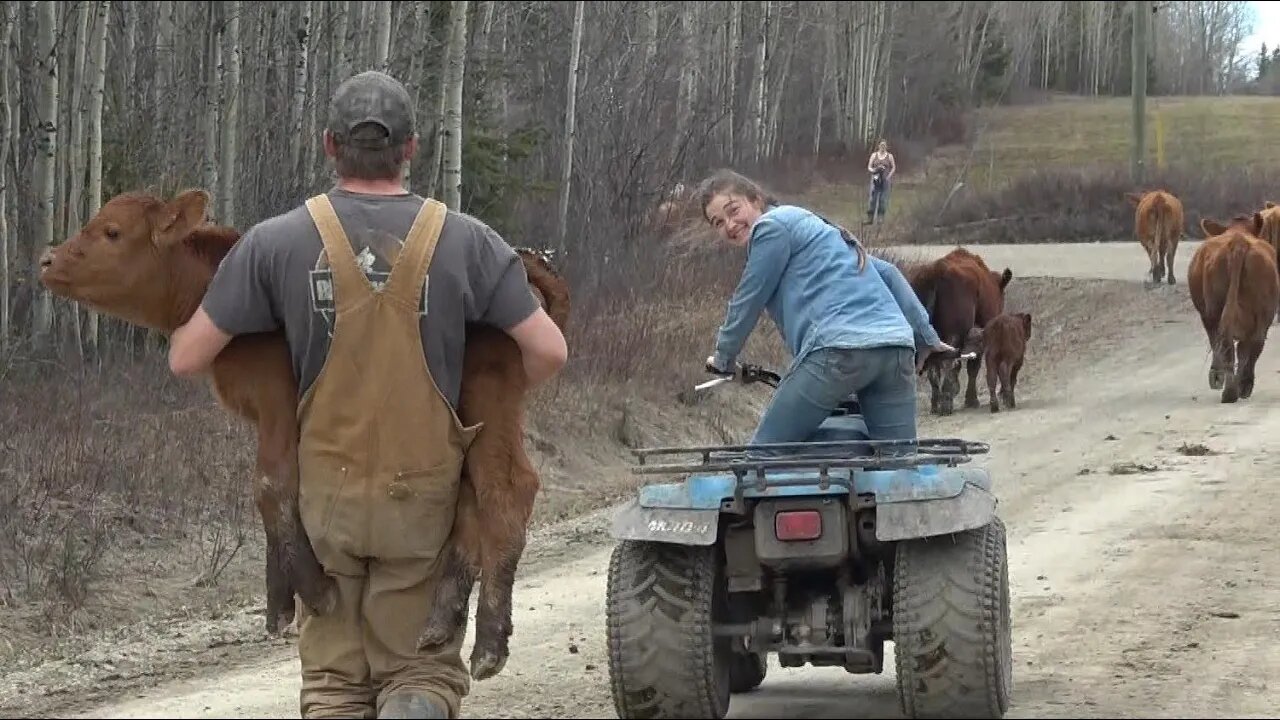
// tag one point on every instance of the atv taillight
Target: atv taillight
(798, 525)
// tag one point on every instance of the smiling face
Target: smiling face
(733, 214)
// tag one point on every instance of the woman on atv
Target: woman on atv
(848, 330)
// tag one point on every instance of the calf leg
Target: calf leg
(294, 556)
(1013, 383)
(280, 587)
(1006, 384)
(448, 617)
(971, 391)
(992, 379)
(1171, 249)
(504, 544)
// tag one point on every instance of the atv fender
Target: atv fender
(964, 503)
(682, 526)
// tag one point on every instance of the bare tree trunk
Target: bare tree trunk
(455, 72)
(731, 80)
(46, 164)
(300, 86)
(570, 117)
(382, 35)
(98, 65)
(230, 111)
(8, 18)
(758, 98)
(213, 58)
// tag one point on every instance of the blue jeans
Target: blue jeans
(883, 378)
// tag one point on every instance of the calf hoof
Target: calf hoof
(1230, 394)
(995, 407)
(440, 631)
(318, 591)
(487, 662)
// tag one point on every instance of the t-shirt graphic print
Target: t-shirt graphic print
(376, 255)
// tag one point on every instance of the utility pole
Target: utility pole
(1141, 20)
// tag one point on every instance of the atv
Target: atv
(817, 553)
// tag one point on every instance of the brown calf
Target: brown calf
(1235, 289)
(960, 293)
(1157, 223)
(1003, 344)
(148, 261)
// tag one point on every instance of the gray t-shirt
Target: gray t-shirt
(277, 276)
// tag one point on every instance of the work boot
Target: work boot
(412, 705)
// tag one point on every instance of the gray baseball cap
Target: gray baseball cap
(371, 97)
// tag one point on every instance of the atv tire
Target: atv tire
(951, 625)
(664, 661)
(747, 671)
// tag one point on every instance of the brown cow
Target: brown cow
(1157, 223)
(1235, 288)
(1003, 344)
(148, 261)
(960, 293)
(1271, 231)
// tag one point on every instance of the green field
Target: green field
(1212, 134)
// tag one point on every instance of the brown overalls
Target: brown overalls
(380, 458)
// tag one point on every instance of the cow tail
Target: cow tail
(1232, 321)
(1158, 226)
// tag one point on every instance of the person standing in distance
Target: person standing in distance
(373, 286)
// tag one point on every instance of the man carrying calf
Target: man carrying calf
(373, 286)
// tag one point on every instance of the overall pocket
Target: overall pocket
(413, 511)
(320, 490)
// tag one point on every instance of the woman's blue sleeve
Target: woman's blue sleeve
(917, 316)
(765, 261)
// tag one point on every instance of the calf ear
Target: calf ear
(179, 216)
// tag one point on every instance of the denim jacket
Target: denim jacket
(803, 272)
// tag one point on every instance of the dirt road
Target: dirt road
(1140, 514)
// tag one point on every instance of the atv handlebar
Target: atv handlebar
(746, 374)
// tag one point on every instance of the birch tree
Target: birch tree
(230, 112)
(455, 72)
(8, 18)
(46, 164)
(98, 73)
(570, 117)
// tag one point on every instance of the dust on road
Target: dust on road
(1139, 511)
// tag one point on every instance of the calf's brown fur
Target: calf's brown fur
(1235, 288)
(1003, 345)
(149, 262)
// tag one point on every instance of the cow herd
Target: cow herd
(1233, 279)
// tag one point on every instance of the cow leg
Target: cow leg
(1153, 258)
(935, 391)
(1249, 353)
(1230, 376)
(971, 392)
(992, 379)
(1171, 249)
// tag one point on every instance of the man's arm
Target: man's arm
(238, 301)
(542, 346)
(768, 254)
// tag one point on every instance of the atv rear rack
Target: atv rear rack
(851, 454)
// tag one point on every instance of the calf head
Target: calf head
(122, 261)
(1251, 224)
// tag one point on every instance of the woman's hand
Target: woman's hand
(941, 347)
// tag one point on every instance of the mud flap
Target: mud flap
(973, 507)
(680, 526)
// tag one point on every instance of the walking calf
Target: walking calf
(1003, 345)
(148, 261)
